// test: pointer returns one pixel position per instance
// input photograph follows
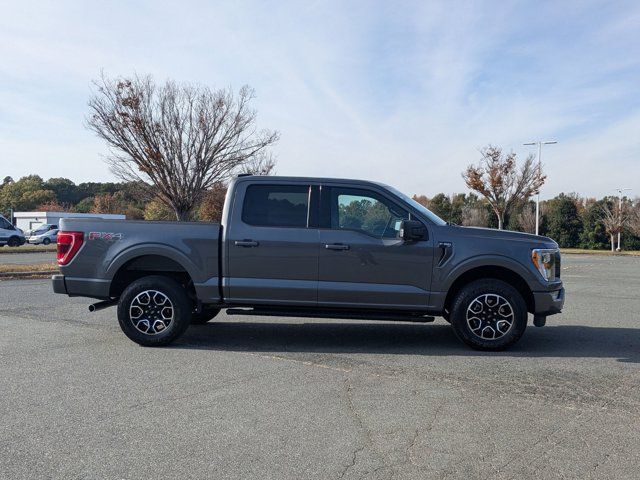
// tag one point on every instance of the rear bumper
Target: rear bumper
(81, 287)
(58, 284)
(549, 303)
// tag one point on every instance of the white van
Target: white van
(10, 235)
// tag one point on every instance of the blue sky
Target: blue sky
(400, 92)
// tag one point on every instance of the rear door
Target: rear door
(362, 263)
(272, 245)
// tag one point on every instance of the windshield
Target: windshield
(418, 206)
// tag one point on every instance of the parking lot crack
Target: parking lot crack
(365, 434)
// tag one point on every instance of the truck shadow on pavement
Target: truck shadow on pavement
(407, 339)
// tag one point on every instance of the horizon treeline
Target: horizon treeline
(570, 219)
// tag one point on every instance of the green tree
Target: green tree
(85, 205)
(563, 223)
(441, 206)
(25, 194)
(593, 235)
(66, 191)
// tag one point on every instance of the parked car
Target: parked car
(40, 229)
(44, 237)
(9, 234)
(312, 247)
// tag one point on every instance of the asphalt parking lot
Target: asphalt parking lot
(297, 398)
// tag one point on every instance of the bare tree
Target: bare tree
(527, 219)
(259, 165)
(613, 219)
(474, 216)
(498, 179)
(634, 217)
(178, 139)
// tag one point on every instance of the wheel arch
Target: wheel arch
(496, 272)
(133, 267)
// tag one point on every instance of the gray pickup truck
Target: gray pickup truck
(312, 247)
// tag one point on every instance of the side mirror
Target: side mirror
(412, 230)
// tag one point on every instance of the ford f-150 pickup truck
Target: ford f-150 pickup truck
(312, 247)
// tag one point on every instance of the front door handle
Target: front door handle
(246, 243)
(336, 246)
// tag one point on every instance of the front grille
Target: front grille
(557, 263)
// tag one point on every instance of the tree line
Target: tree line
(32, 193)
(570, 219)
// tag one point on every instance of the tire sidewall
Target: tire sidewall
(46, 241)
(181, 310)
(488, 286)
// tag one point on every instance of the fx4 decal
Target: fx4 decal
(109, 236)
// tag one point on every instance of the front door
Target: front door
(272, 250)
(362, 263)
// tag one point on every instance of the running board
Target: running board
(331, 314)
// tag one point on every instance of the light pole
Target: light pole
(620, 190)
(539, 143)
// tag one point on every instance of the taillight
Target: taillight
(68, 245)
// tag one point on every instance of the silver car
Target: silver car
(44, 237)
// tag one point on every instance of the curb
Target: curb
(31, 250)
(36, 274)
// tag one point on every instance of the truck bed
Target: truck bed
(111, 248)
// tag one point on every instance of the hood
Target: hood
(504, 235)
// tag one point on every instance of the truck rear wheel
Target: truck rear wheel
(489, 314)
(154, 311)
(204, 316)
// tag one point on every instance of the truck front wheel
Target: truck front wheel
(489, 314)
(154, 311)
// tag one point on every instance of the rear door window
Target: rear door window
(276, 205)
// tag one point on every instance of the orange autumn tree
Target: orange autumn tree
(497, 178)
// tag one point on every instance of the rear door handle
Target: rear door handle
(246, 243)
(336, 246)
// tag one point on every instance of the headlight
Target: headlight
(545, 259)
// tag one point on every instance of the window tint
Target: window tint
(4, 223)
(276, 205)
(367, 212)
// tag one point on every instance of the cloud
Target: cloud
(402, 92)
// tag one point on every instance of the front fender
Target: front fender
(447, 275)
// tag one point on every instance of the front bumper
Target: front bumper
(549, 303)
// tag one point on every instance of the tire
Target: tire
(204, 316)
(13, 242)
(46, 241)
(157, 324)
(489, 314)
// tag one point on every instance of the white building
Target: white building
(30, 220)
